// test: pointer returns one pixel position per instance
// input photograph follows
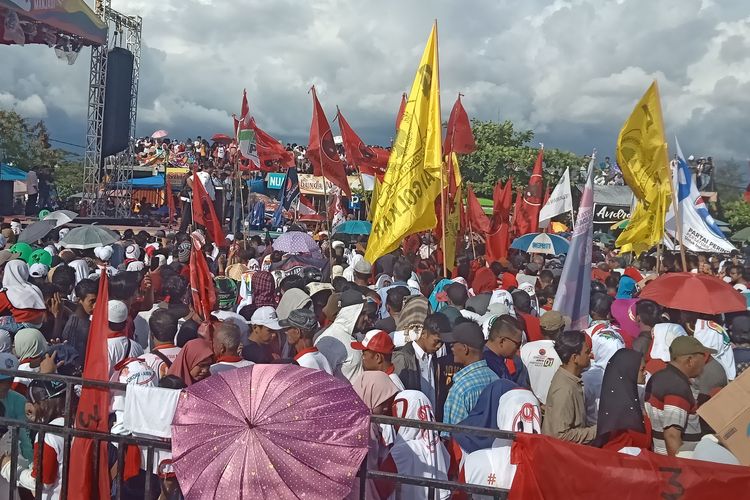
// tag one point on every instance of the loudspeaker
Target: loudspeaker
(6, 197)
(116, 127)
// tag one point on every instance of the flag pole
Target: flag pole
(442, 166)
(678, 215)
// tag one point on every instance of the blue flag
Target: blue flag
(574, 292)
(290, 189)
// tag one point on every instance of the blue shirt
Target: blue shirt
(15, 409)
(468, 383)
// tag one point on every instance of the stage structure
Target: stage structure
(106, 173)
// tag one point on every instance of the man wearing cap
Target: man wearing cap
(301, 326)
(377, 349)
(467, 342)
(227, 347)
(264, 326)
(119, 346)
(669, 398)
(540, 358)
(335, 343)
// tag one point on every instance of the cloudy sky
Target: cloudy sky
(569, 69)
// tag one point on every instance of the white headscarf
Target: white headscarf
(136, 265)
(604, 345)
(6, 342)
(664, 334)
(81, 267)
(713, 336)
(21, 293)
(518, 411)
(418, 452)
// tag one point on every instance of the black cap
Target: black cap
(351, 297)
(303, 319)
(41, 390)
(468, 333)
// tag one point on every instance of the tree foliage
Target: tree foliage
(504, 152)
(737, 213)
(26, 144)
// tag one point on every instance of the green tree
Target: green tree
(26, 144)
(504, 152)
(69, 179)
(737, 213)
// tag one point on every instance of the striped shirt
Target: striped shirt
(468, 383)
(669, 403)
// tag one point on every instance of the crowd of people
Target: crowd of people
(482, 347)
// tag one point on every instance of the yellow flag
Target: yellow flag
(643, 158)
(451, 231)
(406, 201)
(374, 199)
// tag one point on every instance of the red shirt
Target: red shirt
(533, 327)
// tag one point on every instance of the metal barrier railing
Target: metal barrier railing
(68, 432)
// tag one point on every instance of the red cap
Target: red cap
(376, 341)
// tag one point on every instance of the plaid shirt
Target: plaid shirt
(468, 383)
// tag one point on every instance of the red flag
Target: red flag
(202, 287)
(401, 109)
(368, 160)
(526, 217)
(88, 480)
(551, 468)
(502, 199)
(204, 213)
(459, 137)
(244, 115)
(321, 151)
(170, 199)
(271, 153)
(478, 220)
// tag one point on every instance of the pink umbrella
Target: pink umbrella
(269, 431)
(159, 134)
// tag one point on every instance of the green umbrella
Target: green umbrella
(741, 235)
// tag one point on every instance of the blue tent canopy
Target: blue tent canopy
(8, 173)
(153, 182)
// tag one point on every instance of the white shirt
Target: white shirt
(157, 364)
(120, 348)
(312, 358)
(426, 374)
(223, 366)
(32, 183)
(397, 381)
(205, 179)
(542, 361)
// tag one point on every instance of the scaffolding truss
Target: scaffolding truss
(106, 183)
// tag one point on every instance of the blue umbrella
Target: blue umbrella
(354, 227)
(550, 244)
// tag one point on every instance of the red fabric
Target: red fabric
(271, 154)
(21, 315)
(132, 465)
(599, 274)
(498, 239)
(368, 160)
(526, 218)
(49, 464)
(630, 437)
(694, 292)
(633, 273)
(401, 110)
(484, 281)
(89, 480)
(509, 281)
(459, 137)
(321, 150)
(478, 220)
(533, 327)
(497, 244)
(551, 468)
(202, 287)
(170, 200)
(204, 213)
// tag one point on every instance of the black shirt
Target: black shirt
(257, 353)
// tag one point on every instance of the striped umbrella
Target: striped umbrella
(550, 244)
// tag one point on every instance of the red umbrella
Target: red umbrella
(694, 292)
(221, 138)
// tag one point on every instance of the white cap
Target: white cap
(136, 265)
(103, 253)
(338, 244)
(117, 311)
(132, 251)
(337, 270)
(38, 270)
(266, 316)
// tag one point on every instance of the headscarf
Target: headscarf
(136, 266)
(29, 343)
(619, 406)
(81, 267)
(380, 282)
(604, 345)
(418, 452)
(623, 311)
(6, 342)
(294, 298)
(435, 304)
(104, 253)
(192, 354)
(714, 336)
(374, 388)
(484, 281)
(263, 288)
(21, 293)
(626, 288)
(503, 297)
(484, 414)
(664, 334)
(414, 312)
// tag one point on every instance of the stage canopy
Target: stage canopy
(57, 23)
(8, 173)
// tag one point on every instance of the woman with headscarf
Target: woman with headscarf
(21, 303)
(417, 452)
(378, 391)
(483, 284)
(603, 346)
(263, 289)
(621, 421)
(30, 347)
(505, 406)
(193, 362)
(410, 319)
(626, 288)
(437, 300)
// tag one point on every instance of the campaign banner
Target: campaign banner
(609, 214)
(313, 184)
(275, 181)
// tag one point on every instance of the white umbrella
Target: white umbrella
(61, 217)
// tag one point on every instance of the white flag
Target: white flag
(560, 201)
(699, 230)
